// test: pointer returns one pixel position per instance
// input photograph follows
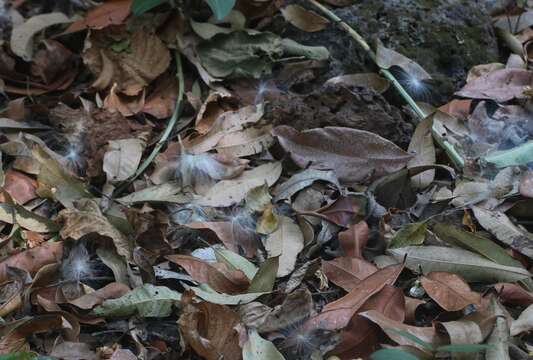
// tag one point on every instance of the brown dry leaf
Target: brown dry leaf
(230, 234)
(247, 142)
(86, 219)
(304, 19)
(354, 155)
(160, 103)
(426, 334)
(483, 69)
(411, 304)
(462, 332)
(147, 57)
(449, 290)
(112, 12)
(110, 291)
(423, 149)
(353, 241)
(500, 85)
(22, 35)
(337, 314)
(513, 294)
(53, 68)
(459, 108)
(344, 211)
(32, 260)
(14, 340)
(126, 105)
(228, 192)
(360, 337)
(347, 272)
(370, 80)
(20, 186)
(215, 105)
(210, 330)
(296, 307)
(217, 275)
(286, 242)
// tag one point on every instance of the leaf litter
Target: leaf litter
(154, 207)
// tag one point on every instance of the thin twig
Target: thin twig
(450, 150)
(168, 130)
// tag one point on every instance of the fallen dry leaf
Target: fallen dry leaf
(354, 155)
(110, 291)
(286, 242)
(217, 275)
(337, 314)
(513, 294)
(20, 186)
(353, 240)
(449, 290)
(347, 272)
(112, 12)
(131, 70)
(210, 330)
(32, 260)
(304, 19)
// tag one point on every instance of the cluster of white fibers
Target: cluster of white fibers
(194, 169)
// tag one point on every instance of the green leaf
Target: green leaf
(464, 348)
(221, 8)
(147, 301)
(265, 278)
(139, 7)
(236, 261)
(392, 354)
(19, 356)
(409, 234)
(411, 337)
(483, 246)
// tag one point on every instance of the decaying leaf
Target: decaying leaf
(22, 35)
(146, 301)
(303, 19)
(147, 58)
(216, 275)
(500, 85)
(210, 330)
(257, 348)
(286, 242)
(354, 155)
(86, 219)
(122, 158)
(33, 259)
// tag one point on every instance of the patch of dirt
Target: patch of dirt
(338, 105)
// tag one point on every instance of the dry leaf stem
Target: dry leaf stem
(450, 150)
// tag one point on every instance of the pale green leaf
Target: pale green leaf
(409, 234)
(257, 348)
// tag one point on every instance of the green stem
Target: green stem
(168, 130)
(455, 157)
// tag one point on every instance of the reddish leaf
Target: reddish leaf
(112, 12)
(459, 108)
(337, 314)
(347, 272)
(230, 234)
(216, 275)
(361, 336)
(449, 290)
(500, 85)
(32, 260)
(210, 330)
(514, 294)
(353, 240)
(344, 211)
(20, 186)
(110, 291)
(411, 304)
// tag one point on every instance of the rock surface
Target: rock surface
(446, 37)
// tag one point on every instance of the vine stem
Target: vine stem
(168, 130)
(455, 157)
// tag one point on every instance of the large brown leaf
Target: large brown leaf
(354, 155)
(347, 272)
(32, 260)
(353, 240)
(109, 13)
(110, 291)
(216, 275)
(513, 294)
(337, 314)
(210, 330)
(360, 337)
(449, 290)
(500, 85)
(146, 58)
